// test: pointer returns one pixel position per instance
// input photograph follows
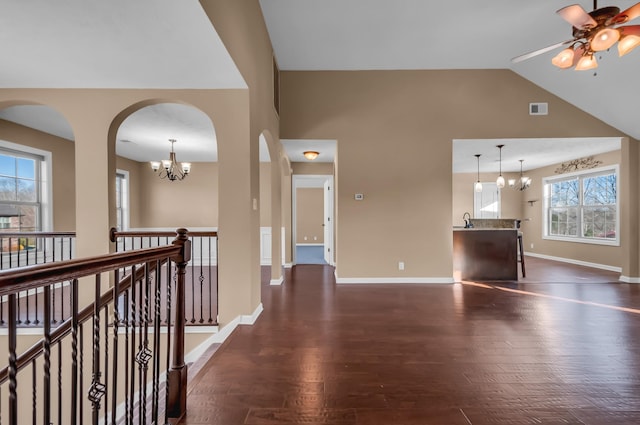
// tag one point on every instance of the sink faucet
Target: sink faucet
(467, 220)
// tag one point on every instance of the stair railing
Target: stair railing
(88, 373)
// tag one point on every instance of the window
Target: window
(20, 191)
(122, 199)
(583, 206)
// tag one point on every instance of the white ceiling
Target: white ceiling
(169, 44)
(295, 149)
(536, 153)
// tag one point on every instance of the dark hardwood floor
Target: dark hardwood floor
(559, 347)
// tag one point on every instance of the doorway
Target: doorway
(312, 227)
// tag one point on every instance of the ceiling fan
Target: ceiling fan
(593, 32)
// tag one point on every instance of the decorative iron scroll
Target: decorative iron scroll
(578, 164)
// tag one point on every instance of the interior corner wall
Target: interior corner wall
(63, 169)
(395, 132)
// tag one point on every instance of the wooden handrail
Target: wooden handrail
(32, 277)
(114, 234)
(37, 234)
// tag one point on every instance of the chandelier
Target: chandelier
(171, 169)
(522, 183)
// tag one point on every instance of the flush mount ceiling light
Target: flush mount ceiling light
(478, 184)
(522, 183)
(500, 179)
(171, 169)
(593, 32)
(311, 155)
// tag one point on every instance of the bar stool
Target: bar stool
(521, 252)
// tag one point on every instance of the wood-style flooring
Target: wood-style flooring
(559, 347)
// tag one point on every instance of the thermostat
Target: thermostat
(359, 196)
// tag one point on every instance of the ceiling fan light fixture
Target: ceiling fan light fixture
(311, 155)
(586, 63)
(604, 39)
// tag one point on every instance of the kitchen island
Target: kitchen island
(485, 254)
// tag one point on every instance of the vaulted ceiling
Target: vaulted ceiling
(169, 44)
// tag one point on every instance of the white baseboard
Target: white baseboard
(627, 279)
(576, 262)
(251, 319)
(277, 282)
(393, 280)
(288, 265)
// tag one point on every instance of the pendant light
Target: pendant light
(500, 179)
(523, 183)
(478, 184)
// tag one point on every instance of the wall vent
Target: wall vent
(539, 108)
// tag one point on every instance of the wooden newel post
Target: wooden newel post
(177, 378)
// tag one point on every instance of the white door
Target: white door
(328, 221)
(486, 204)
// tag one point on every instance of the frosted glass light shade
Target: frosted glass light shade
(564, 59)
(604, 39)
(155, 165)
(478, 187)
(500, 182)
(586, 62)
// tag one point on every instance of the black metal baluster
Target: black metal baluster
(200, 278)
(132, 371)
(34, 395)
(36, 320)
(74, 350)
(96, 391)
(116, 323)
(144, 354)
(167, 365)
(140, 338)
(46, 418)
(217, 281)
(10, 253)
(13, 366)
(126, 358)
(27, 320)
(156, 346)
(210, 273)
(59, 382)
(53, 305)
(106, 363)
(193, 292)
(81, 377)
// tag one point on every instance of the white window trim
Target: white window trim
(125, 199)
(578, 239)
(46, 181)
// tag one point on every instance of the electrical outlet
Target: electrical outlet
(531, 246)
(401, 265)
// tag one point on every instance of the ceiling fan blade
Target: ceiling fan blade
(541, 51)
(626, 15)
(577, 16)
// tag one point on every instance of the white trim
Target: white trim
(309, 244)
(125, 201)
(288, 265)
(627, 279)
(580, 174)
(576, 262)
(251, 319)
(277, 282)
(394, 280)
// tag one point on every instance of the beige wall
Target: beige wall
(394, 131)
(311, 168)
(309, 215)
(243, 31)
(265, 194)
(63, 169)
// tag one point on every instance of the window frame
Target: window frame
(42, 180)
(123, 211)
(580, 176)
